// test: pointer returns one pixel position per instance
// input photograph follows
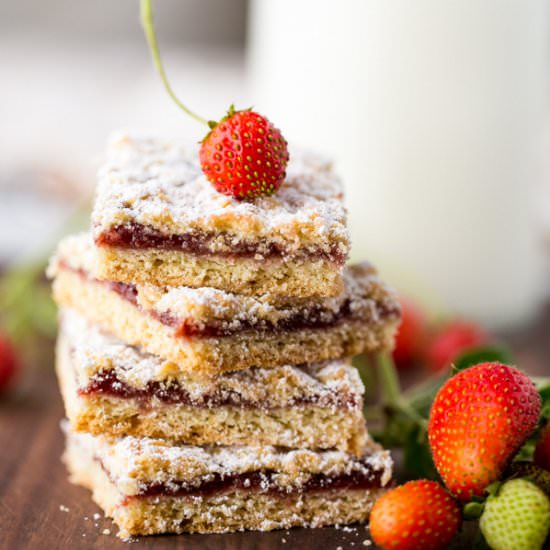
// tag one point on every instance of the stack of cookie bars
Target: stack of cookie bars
(204, 345)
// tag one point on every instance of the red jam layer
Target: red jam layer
(263, 482)
(107, 383)
(313, 318)
(136, 236)
(128, 292)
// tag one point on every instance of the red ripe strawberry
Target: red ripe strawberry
(244, 155)
(542, 450)
(451, 341)
(419, 514)
(478, 421)
(8, 362)
(411, 335)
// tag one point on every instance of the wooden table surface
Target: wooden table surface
(39, 508)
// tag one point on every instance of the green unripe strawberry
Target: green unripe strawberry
(532, 472)
(517, 517)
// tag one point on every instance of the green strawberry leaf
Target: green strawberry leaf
(421, 396)
(417, 457)
(527, 451)
(493, 488)
(473, 510)
(545, 409)
(500, 354)
(543, 387)
(542, 384)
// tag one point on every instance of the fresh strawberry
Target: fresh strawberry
(542, 450)
(517, 517)
(419, 514)
(411, 335)
(451, 341)
(8, 362)
(244, 155)
(478, 421)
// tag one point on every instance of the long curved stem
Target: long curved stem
(146, 14)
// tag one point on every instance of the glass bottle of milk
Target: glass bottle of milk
(434, 113)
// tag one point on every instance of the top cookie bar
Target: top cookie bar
(156, 219)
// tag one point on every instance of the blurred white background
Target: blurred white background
(74, 72)
(436, 114)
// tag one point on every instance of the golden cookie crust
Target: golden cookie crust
(115, 471)
(317, 407)
(298, 235)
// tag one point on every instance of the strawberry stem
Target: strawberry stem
(392, 396)
(473, 510)
(388, 380)
(146, 14)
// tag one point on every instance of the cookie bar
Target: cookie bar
(109, 387)
(209, 331)
(157, 220)
(149, 486)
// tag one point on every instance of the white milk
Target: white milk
(434, 113)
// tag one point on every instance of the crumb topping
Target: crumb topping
(160, 185)
(93, 353)
(134, 463)
(365, 297)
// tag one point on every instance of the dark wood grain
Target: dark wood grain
(33, 481)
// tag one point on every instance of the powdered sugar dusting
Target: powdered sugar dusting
(160, 185)
(365, 297)
(93, 352)
(133, 463)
